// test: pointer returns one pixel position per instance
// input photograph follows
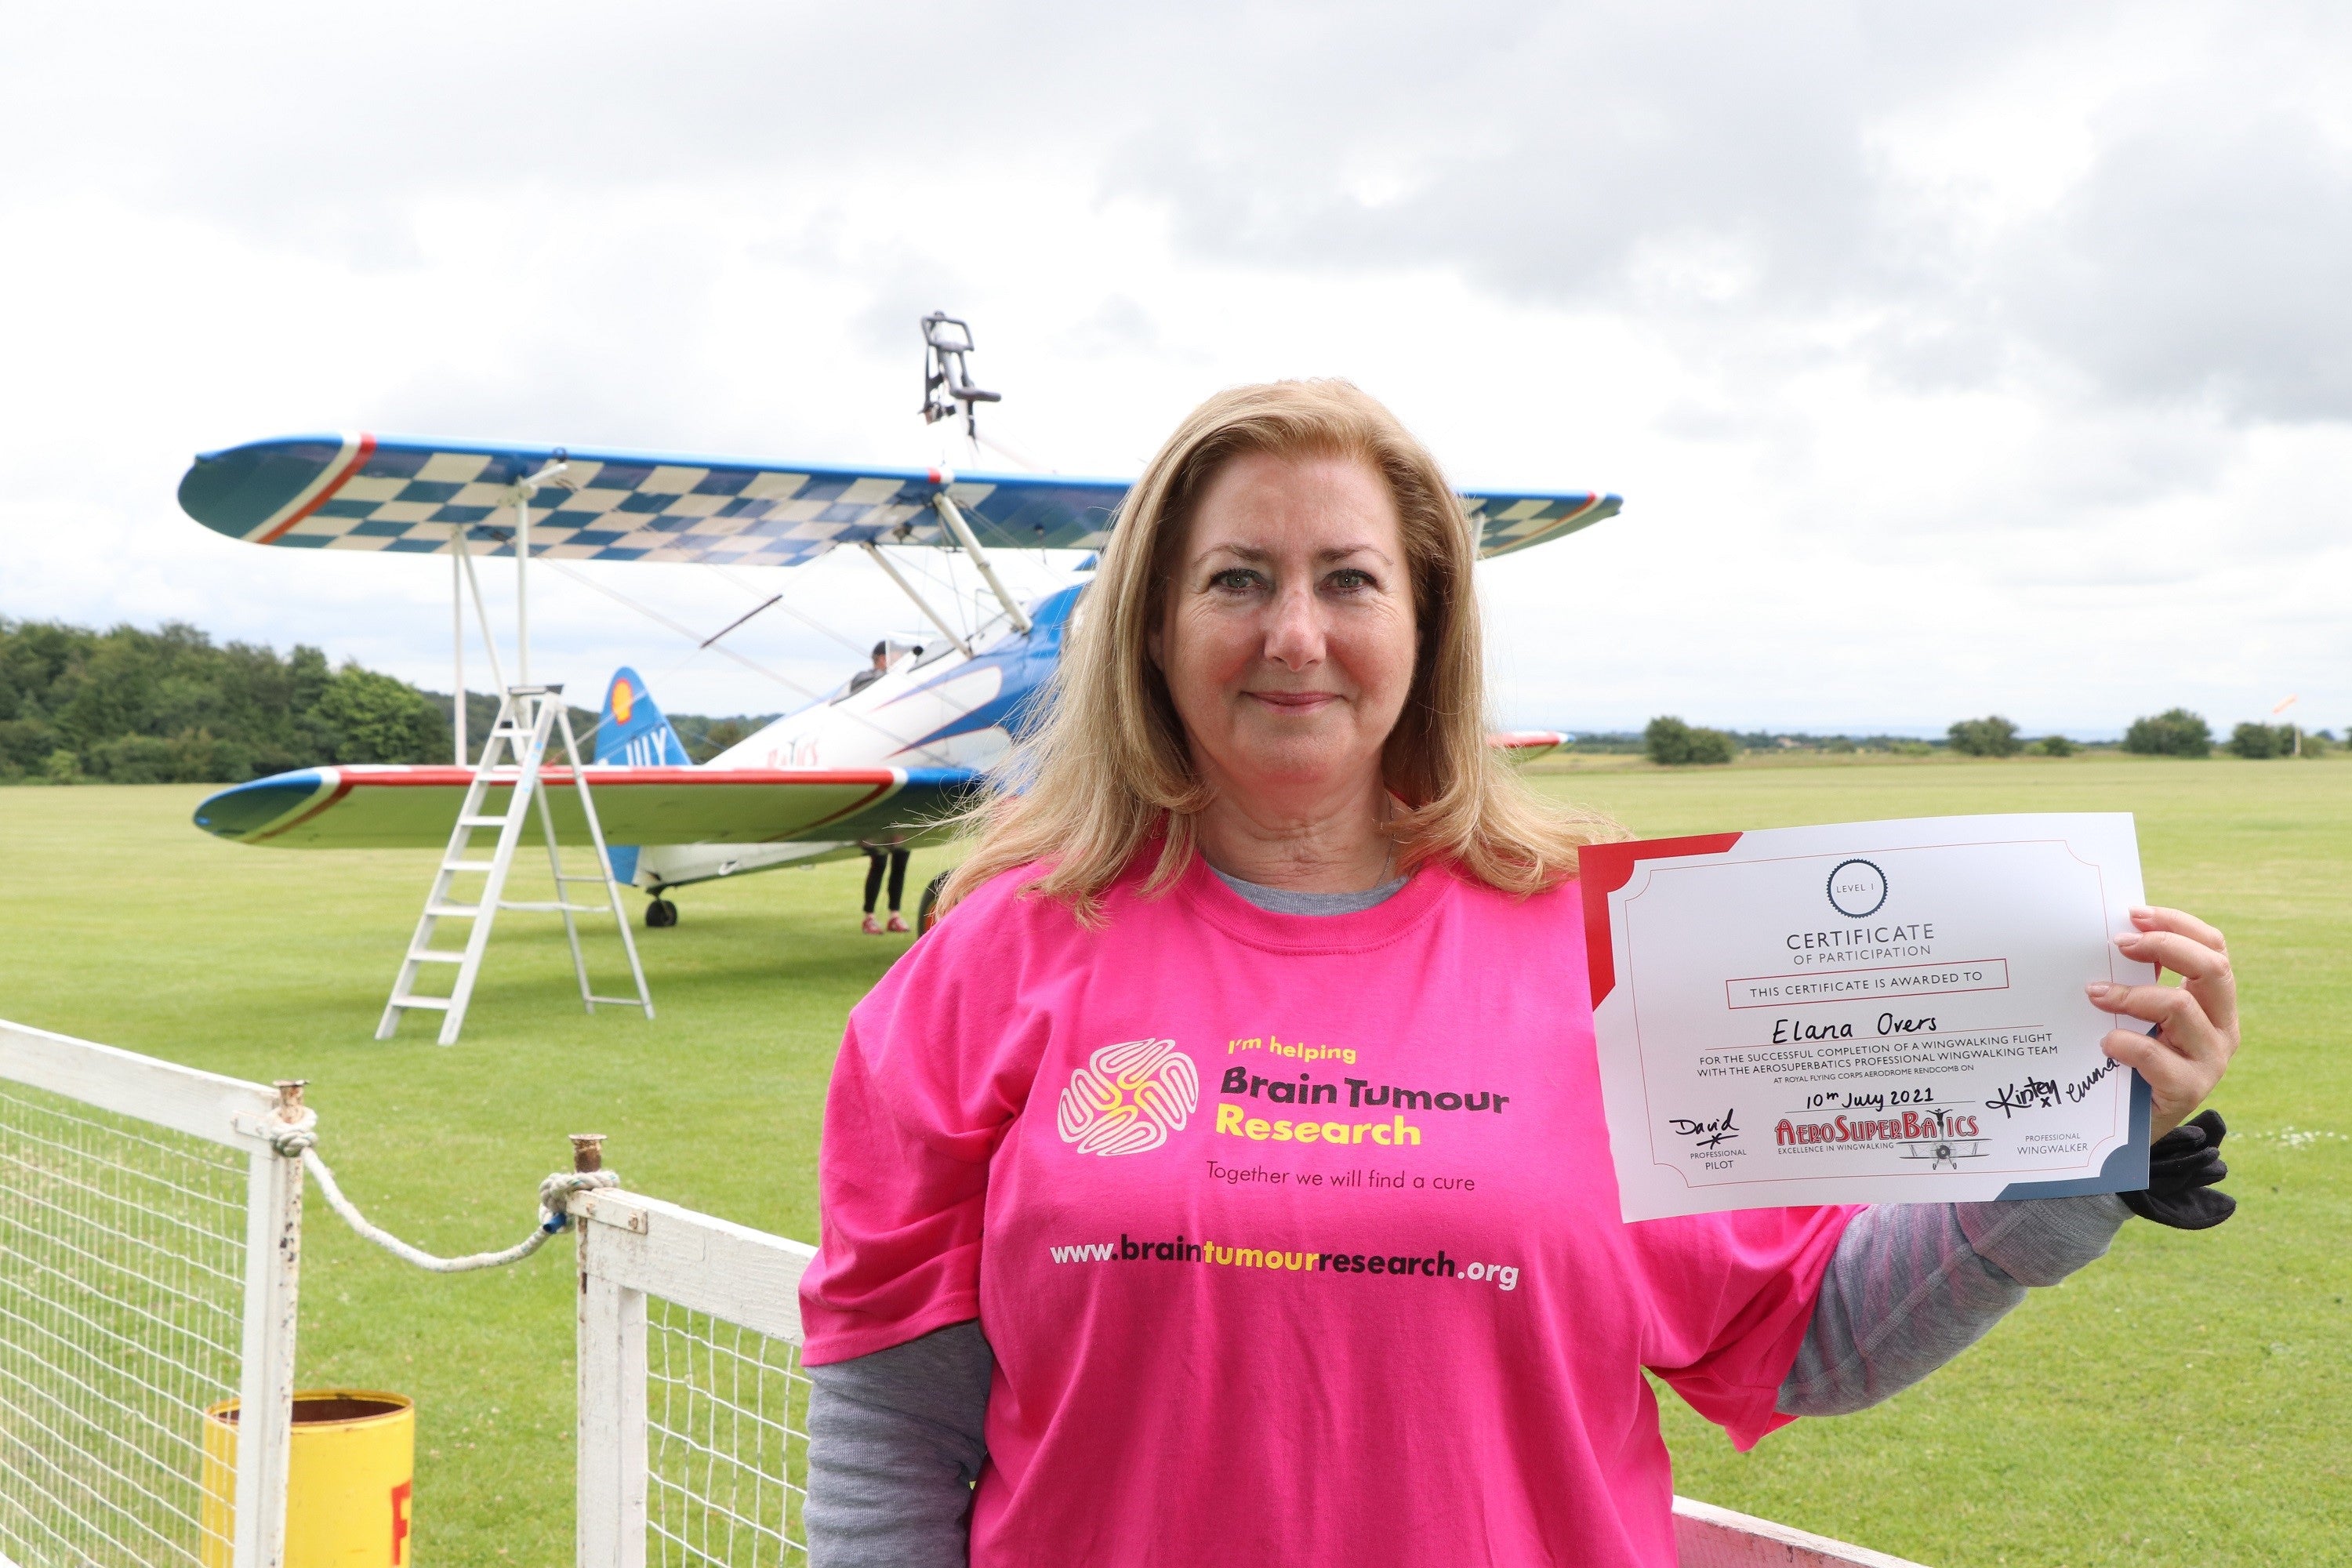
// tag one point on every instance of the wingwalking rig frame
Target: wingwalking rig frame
(947, 386)
(946, 382)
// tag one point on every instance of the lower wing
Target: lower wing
(417, 807)
(1526, 745)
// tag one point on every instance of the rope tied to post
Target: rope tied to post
(294, 1133)
(556, 1193)
(296, 1137)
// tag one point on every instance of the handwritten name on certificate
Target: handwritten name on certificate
(1876, 1012)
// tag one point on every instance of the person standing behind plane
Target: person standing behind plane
(879, 855)
(1259, 847)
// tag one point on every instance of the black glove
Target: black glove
(2182, 1167)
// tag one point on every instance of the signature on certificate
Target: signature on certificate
(1710, 1133)
(2033, 1094)
(2045, 1093)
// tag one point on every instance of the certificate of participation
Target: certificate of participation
(1874, 1012)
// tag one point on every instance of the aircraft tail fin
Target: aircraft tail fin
(632, 732)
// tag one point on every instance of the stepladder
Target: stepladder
(513, 765)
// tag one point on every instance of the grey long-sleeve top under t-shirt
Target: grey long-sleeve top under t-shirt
(896, 1438)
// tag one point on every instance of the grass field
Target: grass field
(2188, 1401)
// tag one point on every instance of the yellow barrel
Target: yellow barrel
(347, 1488)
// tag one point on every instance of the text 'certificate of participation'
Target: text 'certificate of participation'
(1877, 1012)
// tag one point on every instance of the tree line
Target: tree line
(171, 706)
(2174, 733)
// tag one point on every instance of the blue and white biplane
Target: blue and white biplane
(878, 763)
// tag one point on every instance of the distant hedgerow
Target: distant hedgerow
(2255, 741)
(2174, 733)
(1673, 743)
(1989, 737)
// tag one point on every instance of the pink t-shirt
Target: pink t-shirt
(1296, 1236)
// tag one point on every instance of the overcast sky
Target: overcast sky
(1950, 358)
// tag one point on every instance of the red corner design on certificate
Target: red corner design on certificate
(1602, 868)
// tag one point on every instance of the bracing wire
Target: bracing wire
(787, 682)
(747, 616)
(795, 610)
(902, 741)
(1014, 455)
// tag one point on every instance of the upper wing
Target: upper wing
(1513, 520)
(406, 496)
(417, 807)
(411, 496)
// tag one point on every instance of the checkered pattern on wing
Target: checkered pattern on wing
(407, 498)
(1514, 522)
(413, 500)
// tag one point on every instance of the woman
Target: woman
(1263, 854)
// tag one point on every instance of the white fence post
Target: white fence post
(121, 1182)
(610, 1439)
(714, 1468)
(273, 1268)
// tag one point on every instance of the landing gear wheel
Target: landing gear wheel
(660, 915)
(927, 914)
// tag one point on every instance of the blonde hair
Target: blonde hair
(1106, 768)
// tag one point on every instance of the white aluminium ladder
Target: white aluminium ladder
(529, 718)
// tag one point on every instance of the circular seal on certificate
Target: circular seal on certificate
(1857, 888)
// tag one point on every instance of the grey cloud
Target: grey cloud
(1721, 175)
(1718, 173)
(1917, 351)
(1554, 159)
(279, 123)
(900, 291)
(2119, 461)
(1709, 168)
(1676, 156)
(1544, 144)
(1118, 325)
(2191, 266)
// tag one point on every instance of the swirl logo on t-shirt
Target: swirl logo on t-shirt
(1128, 1098)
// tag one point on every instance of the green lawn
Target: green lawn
(2186, 1402)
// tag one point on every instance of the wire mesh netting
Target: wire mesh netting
(726, 1443)
(122, 1311)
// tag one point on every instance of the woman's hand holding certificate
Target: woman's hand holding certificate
(2196, 1021)
(1893, 1012)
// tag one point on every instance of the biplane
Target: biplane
(880, 761)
